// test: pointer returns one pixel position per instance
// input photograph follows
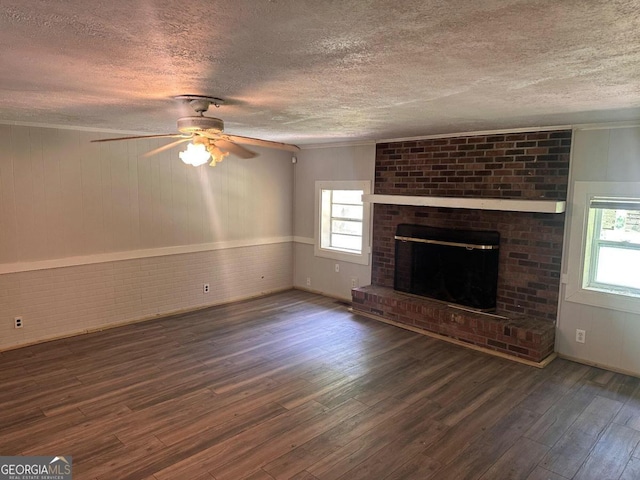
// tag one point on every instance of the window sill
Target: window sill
(359, 259)
(604, 299)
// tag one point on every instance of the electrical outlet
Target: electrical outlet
(205, 288)
(581, 336)
(354, 282)
(337, 268)
(308, 281)
(18, 322)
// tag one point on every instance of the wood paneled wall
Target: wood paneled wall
(62, 196)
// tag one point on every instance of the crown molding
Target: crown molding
(355, 143)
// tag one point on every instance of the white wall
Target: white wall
(612, 336)
(93, 235)
(328, 163)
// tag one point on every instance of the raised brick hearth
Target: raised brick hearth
(519, 336)
(521, 166)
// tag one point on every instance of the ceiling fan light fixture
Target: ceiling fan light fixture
(217, 155)
(195, 154)
(204, 133)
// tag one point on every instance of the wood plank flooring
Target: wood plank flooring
(293, 386)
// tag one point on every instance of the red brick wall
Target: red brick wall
(517, 166)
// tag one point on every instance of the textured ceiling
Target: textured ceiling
(321, 71)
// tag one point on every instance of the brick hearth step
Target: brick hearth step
(525, 338)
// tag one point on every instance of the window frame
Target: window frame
(361, 258)
(579, 248)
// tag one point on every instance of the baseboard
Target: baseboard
(318, 292)
(599, 365)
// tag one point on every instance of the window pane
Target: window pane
(325, 219)
(618, 266)
(341, 221)
(353, 197)
(347, 211)
(349, 228)
(620, 226)
(346, 242)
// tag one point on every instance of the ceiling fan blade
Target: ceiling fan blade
(237, 150)
(155, 151)
(164, 135)
(261, 143)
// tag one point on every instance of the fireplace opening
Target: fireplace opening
(454, 266)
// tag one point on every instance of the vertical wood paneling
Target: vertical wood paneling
(282, 212)
(62, 196)
(106, 164)
(52, 194)
(92, 212)
(208, 184)
(71, 188)
(232, 209)
(133, 195)
(259, 190)
(119, 208)
(8, 222)
(23, 182)
(216, 198)
(194, 206)
(180, 213)
(245, 191)
(166, 212)
(155, 228)
(40, 233)
(221, 215)
(145, 195)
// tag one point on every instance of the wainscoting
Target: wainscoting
(75, 299)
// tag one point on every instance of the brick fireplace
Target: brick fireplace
(522, 166)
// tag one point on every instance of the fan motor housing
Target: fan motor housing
(191, 125)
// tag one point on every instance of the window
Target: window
(612, 255)
(342, 215)
(342, 221)
(602, 246)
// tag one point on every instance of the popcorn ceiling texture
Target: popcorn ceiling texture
(313, 72)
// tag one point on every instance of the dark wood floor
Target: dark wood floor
(294, 386)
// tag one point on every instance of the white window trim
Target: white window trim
(358, 258)
(578, 242)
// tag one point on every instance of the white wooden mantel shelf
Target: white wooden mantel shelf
(508, 205)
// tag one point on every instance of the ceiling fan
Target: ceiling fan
(206, 136)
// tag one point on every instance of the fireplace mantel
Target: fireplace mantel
(502, 204)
